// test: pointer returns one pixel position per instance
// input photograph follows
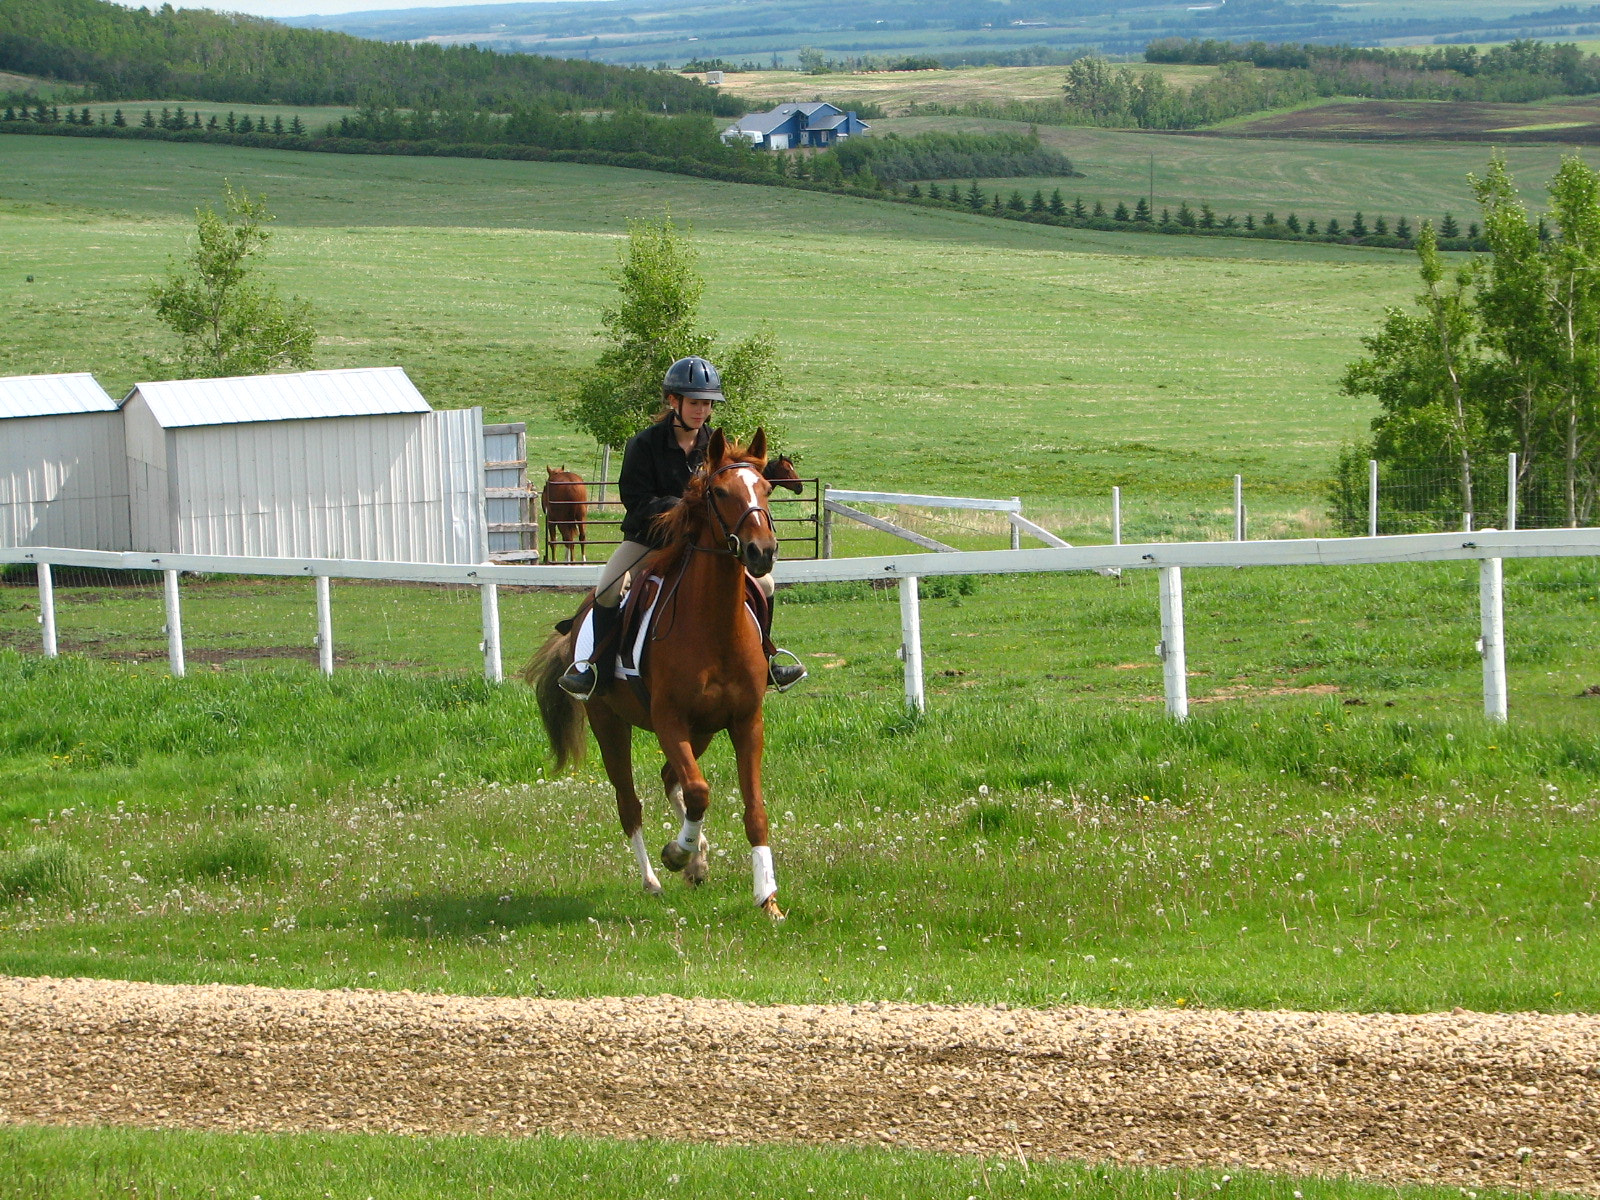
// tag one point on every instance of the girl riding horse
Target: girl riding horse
(656, 467)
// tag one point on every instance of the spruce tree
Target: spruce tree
(85, 117)
(1230, 222)
(11, 113)
(1292, 223)
(195, 122)
(149, 121)
(233, 122)
(42, 115)
(1358, 227)
(118, 121)
(1472, 231)
(72, 117)
(1186, 215)
(1141, 210)
(974, 197)
(1121, 213)
(1269, 221)
(296, 129)
(1099, 209)
(1333, 227)
(1017, 204)
(1311, 227)
(934, 193)
(1249, 220)
(1380, 226)
(995, 205)
(103, 120)
(277, 126)
(212, 123)
(914, 191)
(1208, 218)
(1037, 204)
(1079, 210)
(166, 118)
(244, 124)
(1448, 227)
(1166, 218)
(1402, 229)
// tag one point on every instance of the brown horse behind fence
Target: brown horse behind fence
(705, 671)
(565, 501)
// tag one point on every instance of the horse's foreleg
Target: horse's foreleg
(690, 794)
(616, 750)
(748, 742)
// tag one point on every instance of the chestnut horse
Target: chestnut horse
(705, 670)
(565, 501)
(780, 472)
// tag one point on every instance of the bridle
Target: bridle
(730, 534)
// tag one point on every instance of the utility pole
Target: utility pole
(1152, 187)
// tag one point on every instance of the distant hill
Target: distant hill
(197, 54)
(956, 32)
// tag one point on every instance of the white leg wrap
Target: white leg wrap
(689, 835)
(641, 855)
(583, 644)
(766, 883)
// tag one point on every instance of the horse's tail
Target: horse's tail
(564, 720)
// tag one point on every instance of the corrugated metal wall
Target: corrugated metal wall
(397, 488)
(64, 482)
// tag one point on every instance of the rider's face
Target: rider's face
(693, 412)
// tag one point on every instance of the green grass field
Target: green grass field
(1044, 833)
(69, 1164)
(1030, 361)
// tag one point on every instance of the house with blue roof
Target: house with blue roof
(791, 126)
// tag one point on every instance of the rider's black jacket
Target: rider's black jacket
(654, 473)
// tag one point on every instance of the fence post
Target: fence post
(1238, 508)
(492, 670)
(911, 640)
(1492, 645)
(1170, 649)
(1511, 490)
(1372, 497)
(1016, 534)
(324, 625)
(827, 523)
(605, 471)
(1116, 516)
(47, 608)
(174, 625)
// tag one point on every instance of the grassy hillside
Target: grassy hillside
(1030, 360)
(1254, 175)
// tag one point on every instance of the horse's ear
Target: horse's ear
(550, 472)
(758, 445)
(717, 448)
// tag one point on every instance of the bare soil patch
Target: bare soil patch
(1405, 120)
(1456, 1098)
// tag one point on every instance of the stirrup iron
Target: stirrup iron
(774, 667)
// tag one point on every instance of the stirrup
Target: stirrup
(580, 681)
(784, 676)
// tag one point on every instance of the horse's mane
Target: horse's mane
(679, 527)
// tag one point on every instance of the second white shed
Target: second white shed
(347, 464)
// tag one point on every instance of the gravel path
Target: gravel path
(1462, 1098)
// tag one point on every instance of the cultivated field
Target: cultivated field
(1574, 122)
(896, 90)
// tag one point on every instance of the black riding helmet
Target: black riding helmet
(693, 378)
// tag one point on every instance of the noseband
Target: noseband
(730, 534)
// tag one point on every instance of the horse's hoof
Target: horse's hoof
(697, 872)
(674, 857)
(770, 907)
(652, 887)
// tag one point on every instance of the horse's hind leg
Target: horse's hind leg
(696, 866)
(616, 750)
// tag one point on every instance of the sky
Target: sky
(300, 8)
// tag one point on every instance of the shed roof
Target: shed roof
(351, 392)
(52, 395)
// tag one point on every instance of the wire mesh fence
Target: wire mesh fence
(1498, 492)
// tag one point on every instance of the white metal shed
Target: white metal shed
(319, 464)
(63, 476)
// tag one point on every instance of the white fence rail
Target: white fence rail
(1487, 547)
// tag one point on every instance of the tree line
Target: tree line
(197, 54)
(1499, 355)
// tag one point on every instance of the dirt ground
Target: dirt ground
(1455, 1098)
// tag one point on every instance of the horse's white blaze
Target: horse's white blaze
(766, 883)
(689, 835)
(751, 499)
(641, 855)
